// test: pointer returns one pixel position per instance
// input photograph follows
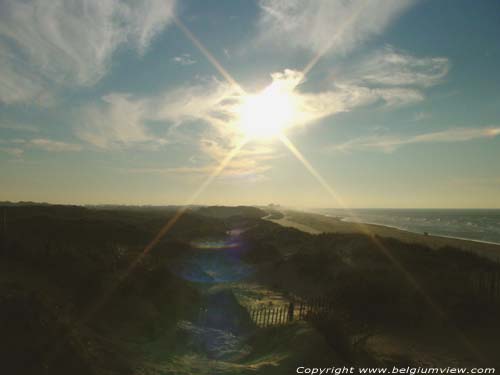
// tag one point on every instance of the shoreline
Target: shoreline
(315, 223)
(344, 219)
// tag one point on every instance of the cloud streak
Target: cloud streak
(121, 120)
(388, 67)
(185, 59)
(69, 42)
(389, 144)
(387, 78)
(54, 146)
(18, 146)
(315, 25)
(116, 120)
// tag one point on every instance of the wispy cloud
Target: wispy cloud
(19, 127)
(17, 146)
(250, 162)
(184, 59)
(12, 151)
(54, 146)
(340, 97)
(422, 115)
(391, 143)
(69, 42)
(395, 78)
(234, 169)
(389, 67)
(315, 25)
(121, 120)
(114, 121)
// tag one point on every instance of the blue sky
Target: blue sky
(111, 102)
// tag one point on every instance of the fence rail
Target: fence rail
(304, 310)
(276, 315)
(484, 284)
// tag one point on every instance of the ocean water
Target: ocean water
(471, 224)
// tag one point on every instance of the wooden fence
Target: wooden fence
(274, 315)
(278, 315)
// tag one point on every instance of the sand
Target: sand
(316, 223)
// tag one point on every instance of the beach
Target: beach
(316, 223)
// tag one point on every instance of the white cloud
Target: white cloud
(117, 120)
(69, 42)
(395, 97)
(13, 151)
(339, 97)
(54, 146)
(121, 120)
(388, 67)
(316, 25)
(19, 127)
(211, 101)
(391, 143)
(185, 59)
(393, 77)
(17, 146)
(239, 168)
(345, 98)
(422, 115)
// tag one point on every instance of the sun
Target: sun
(267, 114)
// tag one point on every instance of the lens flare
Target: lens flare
(267, 114)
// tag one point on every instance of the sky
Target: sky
(396, 103)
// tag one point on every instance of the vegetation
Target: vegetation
(76, 300)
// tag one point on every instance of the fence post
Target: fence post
(290, 311)
(492, 285)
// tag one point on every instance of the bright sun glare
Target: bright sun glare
(267, 114)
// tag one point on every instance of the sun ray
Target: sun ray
(216, 172)
(286, 141)
(335, 37)
(180, 212)
(104, 297)
(379, 245)
(218, 66)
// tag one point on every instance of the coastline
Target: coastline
(315, 223)
(412, 231)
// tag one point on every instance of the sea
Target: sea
(472, 224)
